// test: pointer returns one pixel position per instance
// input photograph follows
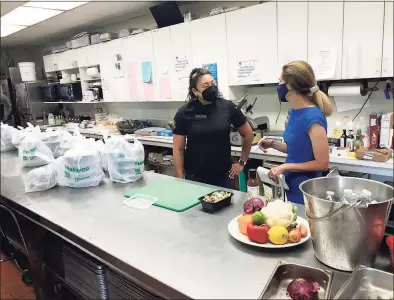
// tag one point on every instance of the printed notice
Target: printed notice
(248, 71)
(118, 66)
(326, 62)
(182, 64)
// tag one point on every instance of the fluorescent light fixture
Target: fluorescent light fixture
(10, 29)
(27, 16)
(59, 5)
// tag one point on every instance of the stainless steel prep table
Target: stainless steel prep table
(177, 254)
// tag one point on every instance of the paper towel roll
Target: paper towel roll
(353, 90)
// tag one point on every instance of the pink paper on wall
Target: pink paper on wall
(132, 80)
(165, 87)
(149, 91)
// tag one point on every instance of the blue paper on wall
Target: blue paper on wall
(146, 71)
(213, 68)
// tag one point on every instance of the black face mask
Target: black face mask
(210, 94)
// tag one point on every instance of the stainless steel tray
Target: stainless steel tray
(367, 283)
(285, 273)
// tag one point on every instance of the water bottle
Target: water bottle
(330, 196)
(51, 119)
(347, 195)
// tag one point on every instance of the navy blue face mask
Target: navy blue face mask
(282, 91)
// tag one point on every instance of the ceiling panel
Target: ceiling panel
(82, 18)
(7, 6)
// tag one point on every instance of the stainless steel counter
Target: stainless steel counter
(178, 254)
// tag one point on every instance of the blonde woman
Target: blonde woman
(305, 137)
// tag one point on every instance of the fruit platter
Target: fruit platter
(275, 224)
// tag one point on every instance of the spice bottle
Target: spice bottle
(253, 184)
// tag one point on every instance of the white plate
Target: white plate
(233, 229)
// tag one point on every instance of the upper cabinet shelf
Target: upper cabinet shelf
(249, 46)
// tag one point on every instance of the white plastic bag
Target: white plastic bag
(33, 152)
(52, 139)
(18, 135)
(104, 152)
(80, 167)
(40, 179)
(125, 160)
(68, 141)
(6, 137)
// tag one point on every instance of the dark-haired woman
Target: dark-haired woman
(205, 124)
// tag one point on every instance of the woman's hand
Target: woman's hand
(264, 144)
(235, 170)
(276, 171)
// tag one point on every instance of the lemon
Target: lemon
(278, 235)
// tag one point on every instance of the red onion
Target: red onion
(301, 289)
(252, 205)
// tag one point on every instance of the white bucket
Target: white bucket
(28, 71)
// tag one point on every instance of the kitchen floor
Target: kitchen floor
(11, 284)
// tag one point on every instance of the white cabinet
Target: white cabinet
(325, 26)
(88, 56)
(211, 48)
(112, 78)
(362, 39)
(52, 62)
(68, 59)
(252, 45)
(292, 32)
(388, 55)
(137, 52)
(48, 63)
(163, 58)
(181, 59)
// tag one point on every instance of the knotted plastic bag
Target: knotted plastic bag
(125, 160)
(6, 137)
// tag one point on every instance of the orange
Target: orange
(243, 222)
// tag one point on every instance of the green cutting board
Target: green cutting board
(173, 194)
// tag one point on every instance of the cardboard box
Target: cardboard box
(374, 130)
(341, 152)
(386, 131)
(378, 155)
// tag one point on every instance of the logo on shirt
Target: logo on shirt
(200, 116)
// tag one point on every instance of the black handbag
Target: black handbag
(130, 126)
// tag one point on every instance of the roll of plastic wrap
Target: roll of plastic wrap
(345, 91)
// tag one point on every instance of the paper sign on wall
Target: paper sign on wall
(165, 87)
(213, 68)
(146, 71)
(182, 66)
(132, 80)
(248, 71)
(149, 91)
(118, 66)
(326, 62)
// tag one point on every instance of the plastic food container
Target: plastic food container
(140, 201)
(208, 206)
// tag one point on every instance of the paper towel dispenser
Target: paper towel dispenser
(166, 14)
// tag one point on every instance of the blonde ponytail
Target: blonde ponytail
(323, 102)
(300, 76)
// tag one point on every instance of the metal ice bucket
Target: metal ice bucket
(346, 235)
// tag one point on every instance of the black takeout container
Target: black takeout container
(217, 205)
